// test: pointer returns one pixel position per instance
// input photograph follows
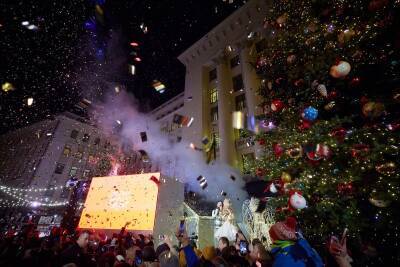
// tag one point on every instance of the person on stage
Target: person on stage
(228, 228)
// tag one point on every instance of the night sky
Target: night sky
(58, 52)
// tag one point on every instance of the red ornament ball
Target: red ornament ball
(277, 105)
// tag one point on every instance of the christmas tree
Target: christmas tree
(330, 131)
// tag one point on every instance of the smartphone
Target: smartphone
(138, 258)
(182, 226)
(243, 247)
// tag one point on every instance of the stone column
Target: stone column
(251, 83)
(227, 150)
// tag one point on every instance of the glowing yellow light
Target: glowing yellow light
(116, 200)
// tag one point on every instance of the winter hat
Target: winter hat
(284, 230)
(209, 253)
(161, 248)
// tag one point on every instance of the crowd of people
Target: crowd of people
(90, 248)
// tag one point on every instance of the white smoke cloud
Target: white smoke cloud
(174, 160)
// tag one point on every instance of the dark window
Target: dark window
(74, 134)
(213, 74)
(59, 168)
(240, 102)
(237, 83)
(85, 137)
(97, 141)
(235, 61)
(214, 114)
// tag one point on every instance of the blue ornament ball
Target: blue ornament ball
(310, 113)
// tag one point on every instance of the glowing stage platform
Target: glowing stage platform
(142, 203)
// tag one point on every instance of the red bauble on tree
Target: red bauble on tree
(345, 188)
(339, 133)
(277, 105)
(278, 150)
(359, 151)
(304, 125)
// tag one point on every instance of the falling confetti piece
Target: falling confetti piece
(6, 87)
(29, 101)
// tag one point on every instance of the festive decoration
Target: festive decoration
(295, 152)
(277, 105)
(297, 201)
(322, 90)
(346, 68)
(310, 114)
(340, 70)
(286, 177)
(386, 168)
(360, 151)
(373, 109)
(278, 150)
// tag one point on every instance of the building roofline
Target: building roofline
(163, 105)
(220, 27)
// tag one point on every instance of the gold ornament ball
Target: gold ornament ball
(286, 177)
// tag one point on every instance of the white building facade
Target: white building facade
(221, 79)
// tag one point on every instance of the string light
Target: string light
(3, 187)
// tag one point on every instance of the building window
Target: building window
(79, 153)
(74, 134)
(97, 141)
(214, 114)
(73, 171)
(67, 151)
(86, 174)
(85, 137)
(213, 95)
(49, 193)
(237, 83)
(212, 74)
(240, 102)
(235, 61)
(65, 193)
(59, 168)
(216, 139)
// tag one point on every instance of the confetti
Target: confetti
(143, 136)
(143, 27)
(29, 101)
(6, 87)
(160, 87)
(202, 181)
(132, 69)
